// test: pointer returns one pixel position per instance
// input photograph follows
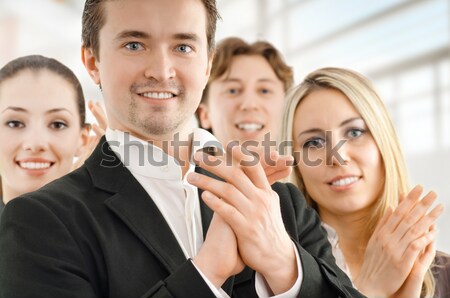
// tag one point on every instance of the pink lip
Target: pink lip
(340, 188)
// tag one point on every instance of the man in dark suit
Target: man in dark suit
(129, 223)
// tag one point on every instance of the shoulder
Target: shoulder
(441, 273)
(62, 196)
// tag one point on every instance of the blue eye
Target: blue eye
(314, 143)
(58, 125)
(184, 48)
(15, 124)
(265, 91)
(354, 133)
(134, 46)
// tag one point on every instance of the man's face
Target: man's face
(245, 103)
(153, 65)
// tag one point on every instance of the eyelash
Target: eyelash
(128, 46)
(15, 124)
(309, 143)
(61, 124)
(191, 49)
(56, 125)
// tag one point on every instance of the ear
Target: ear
(83, 141)
(203, 116)
(90, 62)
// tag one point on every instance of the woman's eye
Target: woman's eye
(134, 46)
(58, 125)
(314, 143)
(184, 48)
(355, 133)
(265, 91)
(15, 124)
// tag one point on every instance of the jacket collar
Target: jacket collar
(132, 205)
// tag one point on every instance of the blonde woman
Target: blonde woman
(351, 169)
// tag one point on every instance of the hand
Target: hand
(252, 209)
(275, 166)
(396, 245)
(412, 287)
(218, 257)
(92, 140)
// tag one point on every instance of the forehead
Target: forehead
(38, 90)
(250, 68)
(325, 108)
(155, 17)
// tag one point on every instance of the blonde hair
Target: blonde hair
(366, 101)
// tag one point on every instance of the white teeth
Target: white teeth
(250, 127)
(344, 181)
(158, 95)
(35, 165)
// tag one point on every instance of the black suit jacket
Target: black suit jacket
(97, 233)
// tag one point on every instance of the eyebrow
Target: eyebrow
(22, 110)
(143, 35)
(316, 130)
(131, 33)
(263, 80)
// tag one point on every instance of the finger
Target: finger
(417, 246)
(97, 130)
(403, 208)
(227, 212)
(422, 226)
(281, 166)
(99, 114)
(223, 167)
(251, 167)
(414, 215)
(220, 189)
(381, 224)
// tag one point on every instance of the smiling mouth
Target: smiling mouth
(158, 95)
(35, 165)
(345, 181)
(250, 127)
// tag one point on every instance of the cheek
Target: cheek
(372, 159)
(311, 175)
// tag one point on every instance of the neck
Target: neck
(178, 144)
(351, 230)
(8, 194)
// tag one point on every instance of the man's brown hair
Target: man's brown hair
(94, 19)
(230, 47)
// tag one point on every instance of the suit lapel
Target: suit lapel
(131, 203)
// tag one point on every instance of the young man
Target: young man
(244, 98)
(129, 223)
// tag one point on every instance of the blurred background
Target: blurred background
(402, 45)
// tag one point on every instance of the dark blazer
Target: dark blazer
(97, 233)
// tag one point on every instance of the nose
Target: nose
(338, 150)
(160, 66)
(249, 101)
(35, 141)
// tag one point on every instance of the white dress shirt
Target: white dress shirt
(333, 238)
(178, 201)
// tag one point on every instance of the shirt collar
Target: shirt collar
(332, 236)
(143, 158)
